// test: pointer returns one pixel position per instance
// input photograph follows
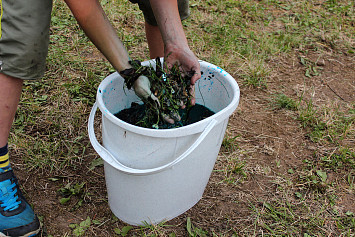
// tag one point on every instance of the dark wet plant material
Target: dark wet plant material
(137, 115)
(172, 89)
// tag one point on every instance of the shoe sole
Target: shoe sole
(31, 234)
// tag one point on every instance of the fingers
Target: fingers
(175, 116)
(196, 75)
(142, 87)
(167, 119)
(192, 93)
(190, 70)
(171, 118)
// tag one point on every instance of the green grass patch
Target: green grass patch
(282, 101)
(283, 218)
(245, 36)
(327, 124)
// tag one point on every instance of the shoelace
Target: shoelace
(8, 196)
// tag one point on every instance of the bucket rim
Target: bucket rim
(193, 128)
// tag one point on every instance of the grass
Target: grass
(249, 39)
(327, 124)
(282, 101)
(279, 219)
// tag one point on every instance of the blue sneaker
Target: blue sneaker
(16, 216)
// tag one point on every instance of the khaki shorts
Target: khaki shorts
(149, 17)
(24, 33)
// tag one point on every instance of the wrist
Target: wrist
(131, 73)
(174, 49)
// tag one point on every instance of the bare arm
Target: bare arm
(176, 47)
(97, 27)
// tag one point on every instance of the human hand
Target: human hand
(142, 89)
(187, 62)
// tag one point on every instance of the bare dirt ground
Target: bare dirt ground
(269, 143)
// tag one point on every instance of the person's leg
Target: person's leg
(10, 92)
(23, 50)
(16, 216)
(155, 41)
(153, 35)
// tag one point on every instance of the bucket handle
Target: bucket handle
(109, 158)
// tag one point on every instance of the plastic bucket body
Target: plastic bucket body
(154, 175)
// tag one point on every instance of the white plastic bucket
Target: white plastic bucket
(154, 175)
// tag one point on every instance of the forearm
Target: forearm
(176, 49)
(93, 20)
(168, 18)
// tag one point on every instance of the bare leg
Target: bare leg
(155, 41)
(10, 93)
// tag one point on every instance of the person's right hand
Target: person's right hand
(187, 63)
